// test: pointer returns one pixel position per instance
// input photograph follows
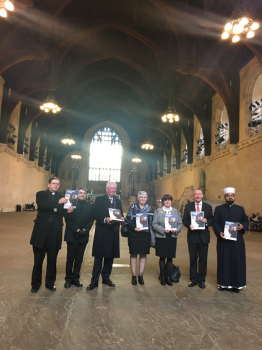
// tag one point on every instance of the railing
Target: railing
(185, 197)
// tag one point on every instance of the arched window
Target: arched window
(105, 156)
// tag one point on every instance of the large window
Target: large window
(105, 156)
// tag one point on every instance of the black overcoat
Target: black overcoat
(231, 255)
(192, 235)
(46, 217)
(106, 238)
(80, 218)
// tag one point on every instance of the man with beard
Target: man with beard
(231, 256)
(78, 224)
(106, 239)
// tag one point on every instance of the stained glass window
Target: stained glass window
(105, 156)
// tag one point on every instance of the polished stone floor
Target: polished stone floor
(126, 317)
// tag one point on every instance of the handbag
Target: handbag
(174, 274)
(124, 230)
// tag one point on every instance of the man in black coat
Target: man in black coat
(198, 239)
(231, 255)
(106, 238)
(47, 234)
(78, 224)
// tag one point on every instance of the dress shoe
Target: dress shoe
(92, 286)
(34, 290)
(134, 281)
(168, 282)
(77, 284)
(108, 283)
(52, 289)
(202, 285)
(162, 281)
(221, 289)
(235, 290)
(141, 280)
(67, 285)
(192, 284)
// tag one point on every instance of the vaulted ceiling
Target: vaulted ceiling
(115, 60)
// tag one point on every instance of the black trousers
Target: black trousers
(74, 259)
(97, 269)
(51, 249)
(198, 254)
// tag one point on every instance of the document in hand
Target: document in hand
(71, 195)
(115, 214)
(230, 230)
(196, 220)
(170, 222)
(142, 221)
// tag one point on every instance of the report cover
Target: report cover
(142, 221)
(230, 230)
(71, 195)
(170, 222)
(115, 214)
(196, 220)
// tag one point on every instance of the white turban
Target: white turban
(229, 190)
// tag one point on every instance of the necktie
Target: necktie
(198, 209)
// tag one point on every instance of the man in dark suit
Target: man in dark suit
(198, 239)
(47, 234)
(106, 239)
(78, 224)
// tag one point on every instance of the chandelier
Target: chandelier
(50, 104)
(67, 140)
(170, 115)
(147, 145)
(136, 159)
(6, 5)
(76, 156)
(241, 24)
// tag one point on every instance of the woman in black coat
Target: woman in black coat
(138, 238)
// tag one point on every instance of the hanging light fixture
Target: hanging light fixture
(147, 145)
(170, 115)
(50, 104)
(240, 25)
(76, 156)
(67, 140)
(136, 159)
(6, 5)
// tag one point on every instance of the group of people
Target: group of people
(47, 237)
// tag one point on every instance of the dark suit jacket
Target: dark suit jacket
(192, 235)
(106, 239)
(46, 217)
(79, 219)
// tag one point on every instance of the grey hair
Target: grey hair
(198, 189)
(110, 182)
(83, 189)
(142, 193)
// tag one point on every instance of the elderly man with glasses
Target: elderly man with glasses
(231, 255)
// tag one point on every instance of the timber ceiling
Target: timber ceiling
(115, 60)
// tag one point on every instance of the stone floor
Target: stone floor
(126, 317)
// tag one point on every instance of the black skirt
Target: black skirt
(166, 247)
(139, 244)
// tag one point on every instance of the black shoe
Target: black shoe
(67, 285)
(162, 281)
(235, 290)
(34, 290)
(202, 285)
(134, 281)
(168, 282)
(108, 283)
(221, 289)
(141, 280)
(52, 289)
(77, 284)
(92, 286)
(192, 284)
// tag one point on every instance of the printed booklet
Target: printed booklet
(196, 220)
(71, 195)
(115, 214)
(230, 230)
(142, 221)
(170, 222)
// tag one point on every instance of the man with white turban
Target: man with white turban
(231, 255)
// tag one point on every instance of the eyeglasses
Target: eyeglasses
(230, 195)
